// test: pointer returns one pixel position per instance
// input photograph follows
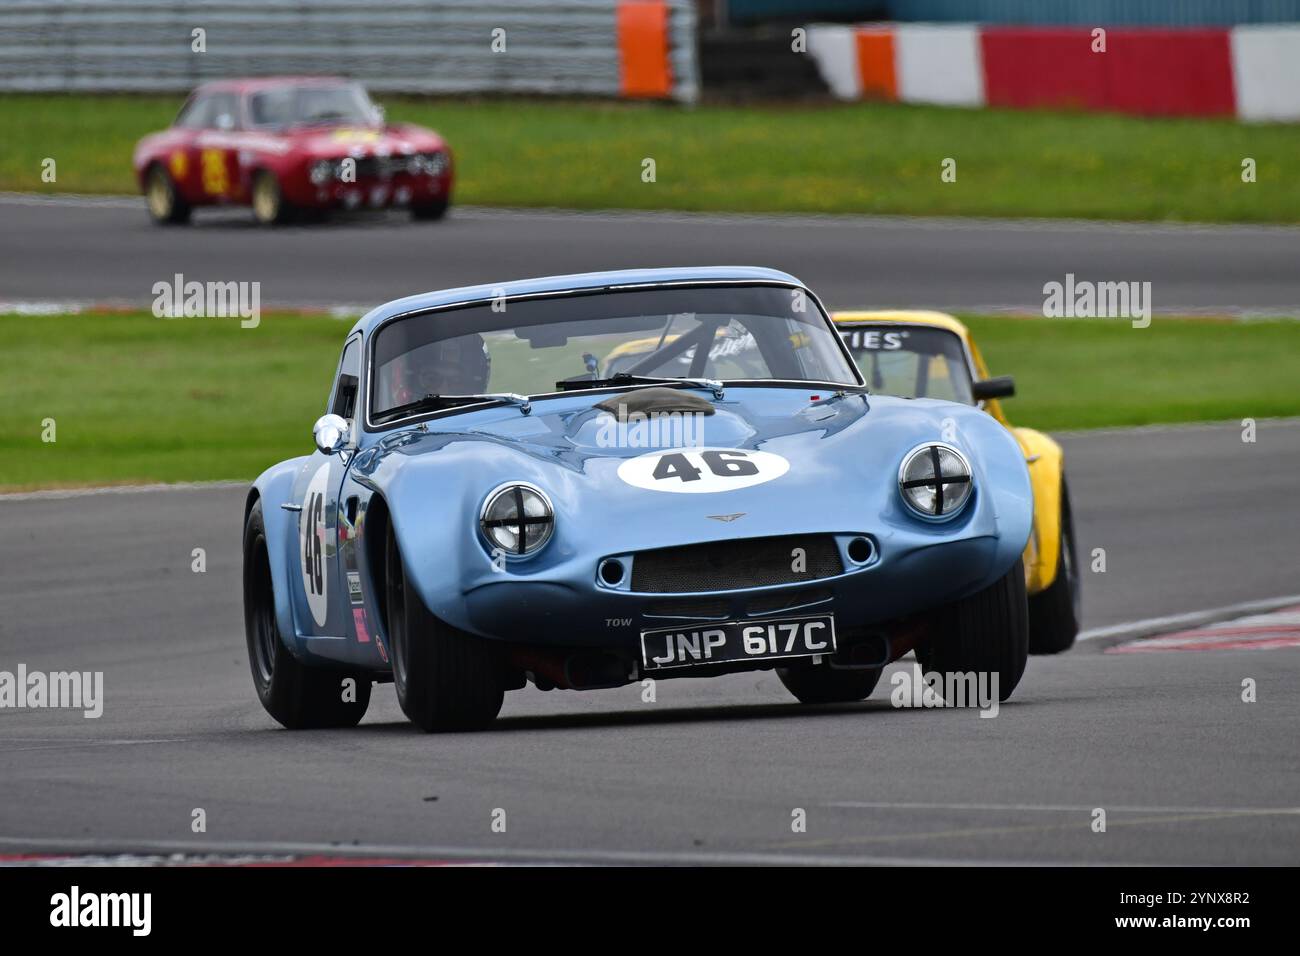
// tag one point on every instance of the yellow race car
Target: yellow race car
(932, 355)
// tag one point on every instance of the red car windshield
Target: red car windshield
(344, 104)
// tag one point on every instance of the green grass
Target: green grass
(862, 158)
(1100, 373)
(136, 398)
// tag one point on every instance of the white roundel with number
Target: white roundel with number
(311, 545)
(702, 470)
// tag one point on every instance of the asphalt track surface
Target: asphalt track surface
(1189, 518)
(105, 249)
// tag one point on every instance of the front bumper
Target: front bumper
(591, 614)
(398, 191)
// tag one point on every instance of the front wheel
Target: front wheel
(823, 684)
(445, 679)
(1054, 612)
(296, 695)
(427, 211)
(984, 633)
(269, 205)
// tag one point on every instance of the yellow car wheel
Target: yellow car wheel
(1054, 612)
(166, 207)
(269, 205)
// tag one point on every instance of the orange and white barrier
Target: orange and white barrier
(1266, 71)
(1252, 72)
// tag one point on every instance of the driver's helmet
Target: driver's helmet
(459, 366)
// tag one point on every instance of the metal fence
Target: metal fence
(395, 46)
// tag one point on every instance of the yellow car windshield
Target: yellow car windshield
(911, 361)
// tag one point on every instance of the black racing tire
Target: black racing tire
(986, 632)
(445, 679)
(429, 211)
(163, 200)
(270, 208)
(1054, 613)
(296, 695)
(825, 685)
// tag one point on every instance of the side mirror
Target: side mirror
(331, 433)
(1003, 386)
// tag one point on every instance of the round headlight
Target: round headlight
(431, 164)
(935, 480)
(517, 518)
(322, 171)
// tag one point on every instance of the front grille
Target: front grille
(731, 565)
(711, 609)
(370, 167)
(788, 600)
(383, 167)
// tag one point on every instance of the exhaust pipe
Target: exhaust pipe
(595, 670)
(577, 670)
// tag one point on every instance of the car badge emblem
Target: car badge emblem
(738, 514)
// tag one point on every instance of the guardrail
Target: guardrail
(584, 47)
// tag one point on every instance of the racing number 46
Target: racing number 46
(313, 514)
(724, 464)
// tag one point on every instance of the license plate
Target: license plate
(731, 641)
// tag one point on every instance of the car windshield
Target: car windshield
(343, 103)
(912, 361)
(558, 343)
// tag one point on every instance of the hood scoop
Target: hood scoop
(655, 401)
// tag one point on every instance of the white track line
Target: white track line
(42, 308)
(1132, 630)
(946, 224)
(1053, 808)
(350, 310)
(76, 200)
(56, 494)
(1289, 421)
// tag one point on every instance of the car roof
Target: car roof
(256, 83)
(564, 283)
(940, 320)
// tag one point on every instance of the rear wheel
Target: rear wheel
(984, 633)
(269, 205)
(297, 696)
(824, 685)
(164, 202)
(445, 679)
(1054, 613)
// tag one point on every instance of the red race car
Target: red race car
(287, 144)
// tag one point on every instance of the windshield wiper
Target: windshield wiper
(627, 378)
(431, 403)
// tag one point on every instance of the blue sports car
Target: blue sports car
(585, 481)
